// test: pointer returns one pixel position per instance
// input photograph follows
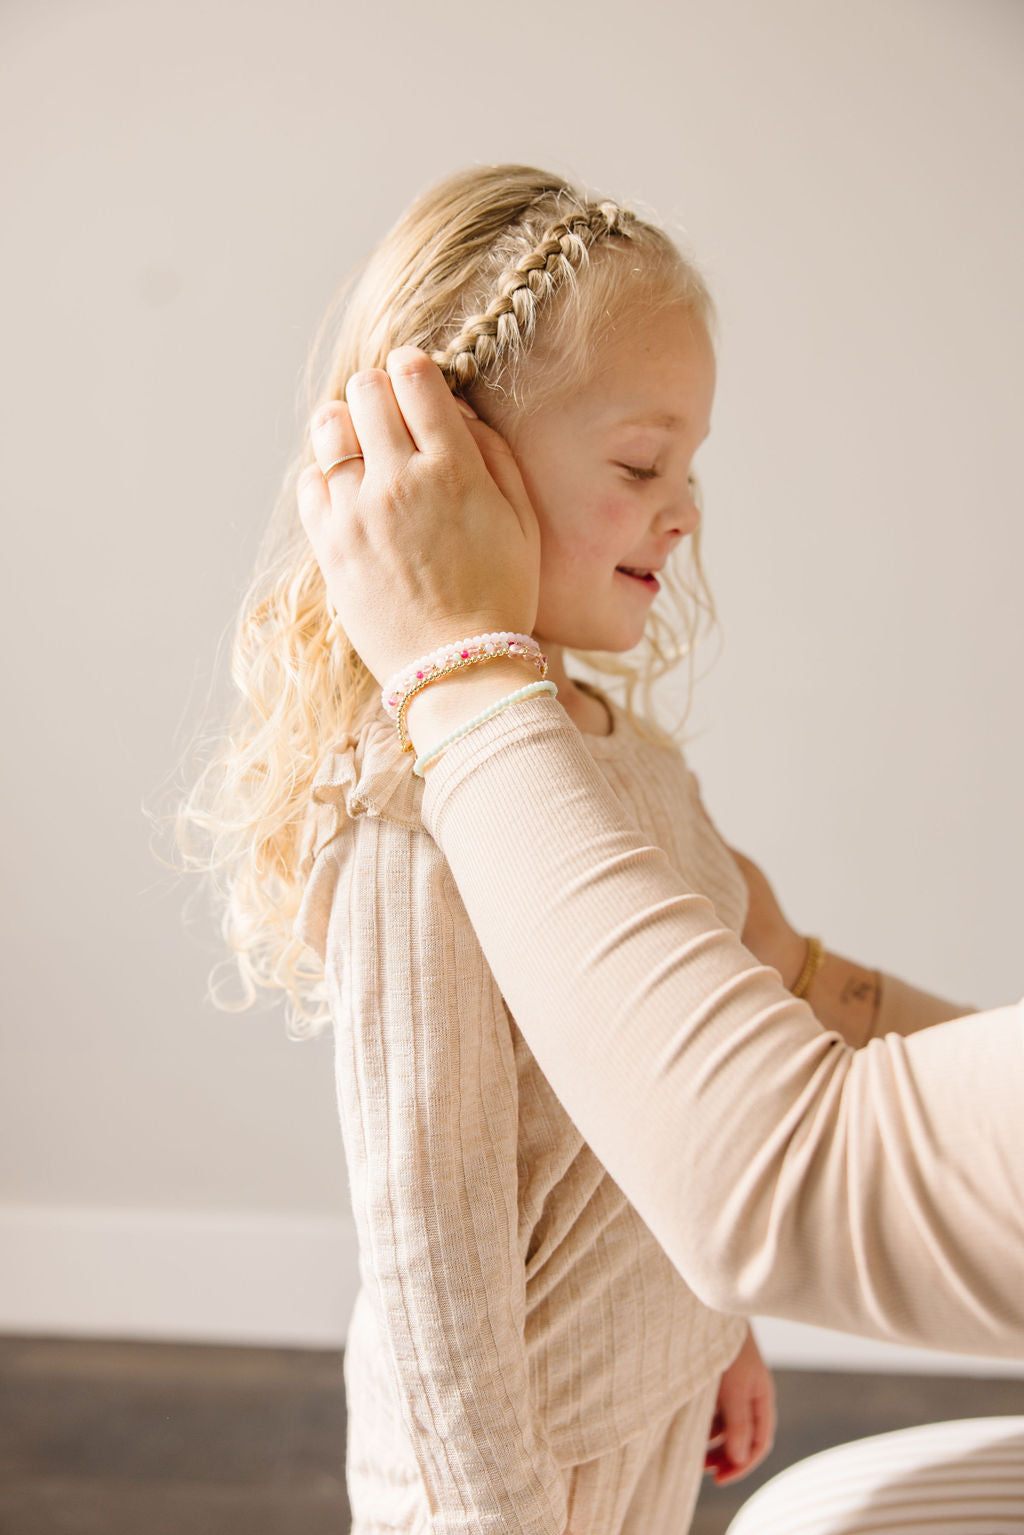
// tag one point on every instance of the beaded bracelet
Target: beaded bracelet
(515, 644)
(478, 719)
(400, 688)
(447, 671)
(469, 655)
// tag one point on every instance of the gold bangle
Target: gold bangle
(812, 964)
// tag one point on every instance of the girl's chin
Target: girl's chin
(623, 631)
(608, 644)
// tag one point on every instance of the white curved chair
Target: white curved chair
(960, 1478)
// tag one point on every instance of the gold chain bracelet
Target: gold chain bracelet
(812, 964)
(456, 666)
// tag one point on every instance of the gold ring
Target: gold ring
(331, 467)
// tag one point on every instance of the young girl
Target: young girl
(522, 1355)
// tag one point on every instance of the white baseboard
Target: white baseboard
(794, 1346)
(276, 1281)
(175, 1276)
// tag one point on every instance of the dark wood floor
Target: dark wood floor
(155, 1438)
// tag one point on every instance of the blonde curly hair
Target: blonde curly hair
(509, 277)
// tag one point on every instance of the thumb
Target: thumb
(501, 465)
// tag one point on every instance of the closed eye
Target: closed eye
(650, 474)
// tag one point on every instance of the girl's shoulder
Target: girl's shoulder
(369, 774)
(363, 773)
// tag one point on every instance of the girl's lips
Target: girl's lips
(652, 583)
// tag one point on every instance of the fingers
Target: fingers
(745, 1436)
(410, 409)
(738, 1435)
(402, 410)
(763, 1436)
(334, 438)
(504, 471)
(314, 501)
(431, 415)
(389, 415)
(378, 419)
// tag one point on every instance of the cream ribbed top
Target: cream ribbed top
(522, 1314)
(529, 1318)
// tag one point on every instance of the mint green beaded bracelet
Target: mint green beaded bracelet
(527, 692)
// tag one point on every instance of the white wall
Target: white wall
(183, 188)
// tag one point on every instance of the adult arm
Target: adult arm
(427, 1095)
(905, 1009)
(879, 1191)
(860, 1004)
(863, 1004)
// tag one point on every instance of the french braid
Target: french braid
(507, 326)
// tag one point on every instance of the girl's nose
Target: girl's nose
(682, 517)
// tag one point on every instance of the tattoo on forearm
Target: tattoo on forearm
(855, 990)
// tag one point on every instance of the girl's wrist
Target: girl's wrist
(450, 702)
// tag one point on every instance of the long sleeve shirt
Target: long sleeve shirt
(879, 1191)
(522, 1316)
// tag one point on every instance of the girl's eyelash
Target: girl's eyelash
(651, 474)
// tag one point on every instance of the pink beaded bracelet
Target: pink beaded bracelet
(417, 671)
(403, 687)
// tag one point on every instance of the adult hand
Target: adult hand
(766, 933)
(431, 537)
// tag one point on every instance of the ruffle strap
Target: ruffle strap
(364, 773)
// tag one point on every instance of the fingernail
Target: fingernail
(364, 379)
(467, 410)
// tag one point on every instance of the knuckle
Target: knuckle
(323, 416)
(413, 367)
(453, 471)
(448, 469)
(399, 491)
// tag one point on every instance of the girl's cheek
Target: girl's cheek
(614, 515)
(581, 527)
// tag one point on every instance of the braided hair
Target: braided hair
(507, 276)
(509, 323)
